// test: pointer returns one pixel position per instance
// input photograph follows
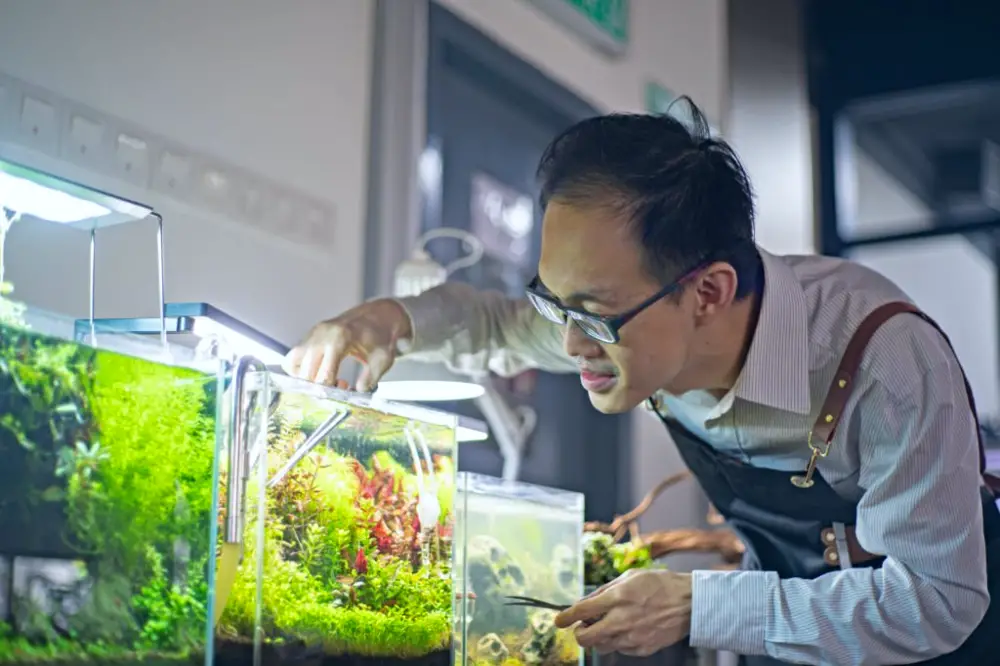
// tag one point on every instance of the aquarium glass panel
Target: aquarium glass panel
(357, 533)
(515, 539)
(107, 496)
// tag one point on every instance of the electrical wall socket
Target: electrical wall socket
(39, 124)
(84, 140)
(106, 145)
(131, 159)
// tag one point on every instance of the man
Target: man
(851, 470)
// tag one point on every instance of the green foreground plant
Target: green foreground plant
(347, 566)
(108, 463)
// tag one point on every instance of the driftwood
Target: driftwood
(719, 540)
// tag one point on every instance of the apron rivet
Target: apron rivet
(828, 418)
(800, 481)
(842, 383)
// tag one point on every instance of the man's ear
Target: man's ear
(715, 288)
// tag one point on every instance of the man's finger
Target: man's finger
(333, 356)
(292, 361)
(378, 362)
(309, 366)
(325, 374)
(602, 635)
(590, 610)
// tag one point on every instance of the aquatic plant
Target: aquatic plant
(604, 560)
(107, 468)
(343, 561)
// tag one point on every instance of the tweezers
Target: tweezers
(534, 603)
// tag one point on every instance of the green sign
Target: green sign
(603, 23)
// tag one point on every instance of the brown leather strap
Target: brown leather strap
(840, 388)
(858, 554)
(840, 391)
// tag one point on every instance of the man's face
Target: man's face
(591, 261)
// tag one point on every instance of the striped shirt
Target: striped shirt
(906, 451)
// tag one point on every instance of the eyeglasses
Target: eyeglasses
(603, 328)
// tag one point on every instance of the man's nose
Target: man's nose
(578, 344)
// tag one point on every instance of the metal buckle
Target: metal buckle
(806, 480)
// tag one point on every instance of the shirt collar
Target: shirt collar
(776, 371)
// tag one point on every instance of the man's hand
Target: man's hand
(640, 613)
(368, 332)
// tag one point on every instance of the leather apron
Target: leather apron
(799, 527)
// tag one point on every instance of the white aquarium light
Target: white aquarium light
(43, 196)
(413, 381)
(471, 430)
(28, 194)
(190, 324)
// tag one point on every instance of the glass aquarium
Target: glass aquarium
(122, 540)
(107, 498)
(516, 539)
(350, 547)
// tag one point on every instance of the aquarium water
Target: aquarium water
(106, 505)
(113, 502)
(357, 536)
(516, 539)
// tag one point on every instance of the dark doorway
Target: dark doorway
(489, 118)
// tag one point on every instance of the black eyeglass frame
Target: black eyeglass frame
(613, 323)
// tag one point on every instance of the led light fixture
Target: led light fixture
(29, 194)
(413, 381)
(471, 430)
(46, 197)
(189, 324)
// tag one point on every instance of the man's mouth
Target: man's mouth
(598, 382)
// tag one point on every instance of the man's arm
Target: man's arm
(919, 466)
(472, 331)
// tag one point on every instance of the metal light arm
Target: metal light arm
(510, 425)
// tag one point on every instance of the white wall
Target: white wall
(769, 120)
(947, 277)
(278, 88)
(679, 43)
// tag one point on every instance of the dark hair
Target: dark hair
(685, 191)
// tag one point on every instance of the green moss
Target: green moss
(114, 457)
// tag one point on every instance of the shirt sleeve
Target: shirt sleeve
(472, 331)
(919, 465)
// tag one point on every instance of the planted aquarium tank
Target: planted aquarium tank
(516, 539)
(116, 507)
(349, 533)
(107, 494)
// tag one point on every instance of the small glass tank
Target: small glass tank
(107, 498)
(515, 539)
(352, 562)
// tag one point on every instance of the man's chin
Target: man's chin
(613, 402)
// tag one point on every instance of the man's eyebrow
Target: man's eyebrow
(595, 295)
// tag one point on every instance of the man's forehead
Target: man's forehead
(569, 232)
(585, 251)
